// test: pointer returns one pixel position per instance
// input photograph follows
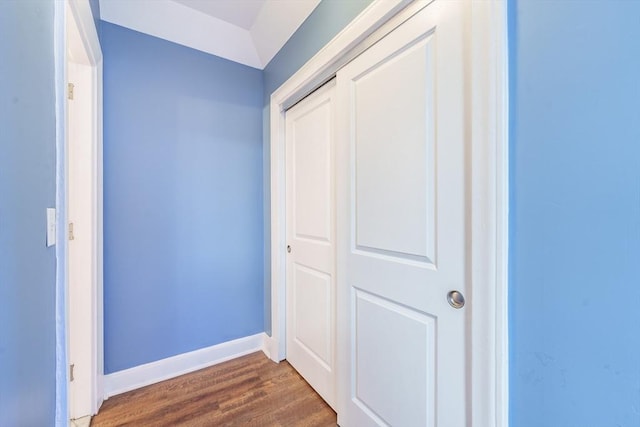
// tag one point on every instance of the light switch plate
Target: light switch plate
(51, 227)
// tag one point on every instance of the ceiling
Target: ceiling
(250, 32)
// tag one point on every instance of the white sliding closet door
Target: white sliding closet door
(311, 297)
(402, 227)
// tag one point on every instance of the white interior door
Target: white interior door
(81, 252)
(403, 226)
(311, 240)
(83, 218)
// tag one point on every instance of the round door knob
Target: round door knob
(455, 299)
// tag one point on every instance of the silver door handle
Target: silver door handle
(455, 299)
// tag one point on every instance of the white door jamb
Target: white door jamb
(88, 48)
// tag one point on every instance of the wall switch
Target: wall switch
(51, 226)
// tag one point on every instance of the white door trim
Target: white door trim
(489, 178)
(88, 48)
(490, 212)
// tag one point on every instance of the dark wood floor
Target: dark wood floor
(248, 391)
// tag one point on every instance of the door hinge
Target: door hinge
(71, 368)
(71, 235)
(70, 87)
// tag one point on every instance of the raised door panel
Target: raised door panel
(312, 178)
(312, 309)
(405, 362)
(394, 158)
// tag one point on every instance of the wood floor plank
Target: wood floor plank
(248, 391)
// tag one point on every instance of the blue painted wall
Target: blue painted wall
(27, 188)
(575, 213)
(327, 20)
(182, 197)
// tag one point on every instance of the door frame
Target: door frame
(488, 194)
(87, 47)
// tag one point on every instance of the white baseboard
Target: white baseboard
(171, 367)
